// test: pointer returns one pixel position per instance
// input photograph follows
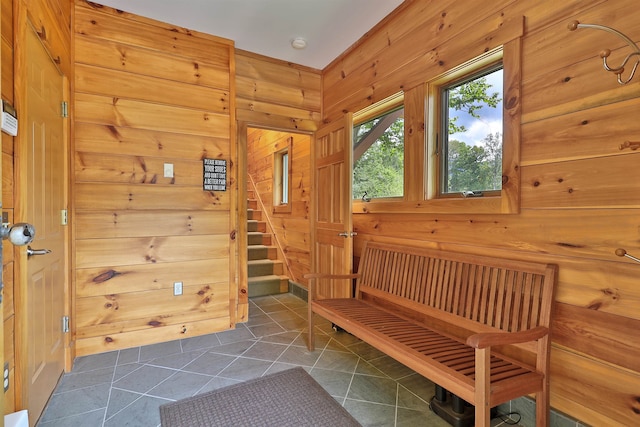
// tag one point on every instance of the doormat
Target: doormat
(284, 399)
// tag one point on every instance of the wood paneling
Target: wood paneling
(137, 231)
(277, 94)
(108, 139)
(211, 71)
(100, 80)
(100, 281)
(603, 335)
(574, 115)
(147, 197)
(598, 393)
(109, 24)
(151, 334)
(128, 223)
(114, 111)
(580, 198)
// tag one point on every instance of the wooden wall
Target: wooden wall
(292, 229)
(579, 201)
(146, 94)
(580, 195)
(277, 94)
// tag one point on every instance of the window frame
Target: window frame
(420, 148)
(485, 64)
(282, 179)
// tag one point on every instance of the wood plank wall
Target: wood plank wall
(52, 19)
(277, 94)
(574, 118)
(580, 196)
(293, 229)
(147, 94)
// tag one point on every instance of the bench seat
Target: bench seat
(428, 352)
(477, 326)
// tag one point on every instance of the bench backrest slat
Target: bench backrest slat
(506, 294)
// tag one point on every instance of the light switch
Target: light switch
(168, 170)
(177, 288)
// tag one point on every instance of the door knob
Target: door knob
(31, 252)
(19, 234)
(345, 234)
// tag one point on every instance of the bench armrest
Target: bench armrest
(489, 339)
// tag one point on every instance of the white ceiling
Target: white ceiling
(267, 27)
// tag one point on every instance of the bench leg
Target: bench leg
(311, 341)
(543, 396)
(542, 406)
(483, 387)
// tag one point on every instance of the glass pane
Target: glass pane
(472, 128)
(285, 178)
(378, 156)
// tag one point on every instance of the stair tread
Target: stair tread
(268, 277)
(264, 261)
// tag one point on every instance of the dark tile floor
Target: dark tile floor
(126, 387)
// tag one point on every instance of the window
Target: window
(470, 134)
(461, 140)
(482, 175)
(282, 179)
(378, 151)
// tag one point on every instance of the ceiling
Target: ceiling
(267, 27)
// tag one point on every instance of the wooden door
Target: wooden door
(43, 198)
(332, 222)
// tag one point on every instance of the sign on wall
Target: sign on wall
(215, 175)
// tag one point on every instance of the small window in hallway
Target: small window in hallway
(282, 178)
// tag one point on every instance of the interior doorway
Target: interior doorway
(279, 166)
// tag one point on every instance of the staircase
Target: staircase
(265, 271)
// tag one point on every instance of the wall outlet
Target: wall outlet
(177, 288)
(168, 170)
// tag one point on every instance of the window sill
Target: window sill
(282, 209)
(475, 205)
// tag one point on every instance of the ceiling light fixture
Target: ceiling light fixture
(298, 43)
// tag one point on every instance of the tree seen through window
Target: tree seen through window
(378, 156)
(472, 144)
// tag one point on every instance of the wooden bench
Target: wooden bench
(474, 325)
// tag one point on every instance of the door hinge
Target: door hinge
(64, 217)
(65, 324)
(65, 109)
